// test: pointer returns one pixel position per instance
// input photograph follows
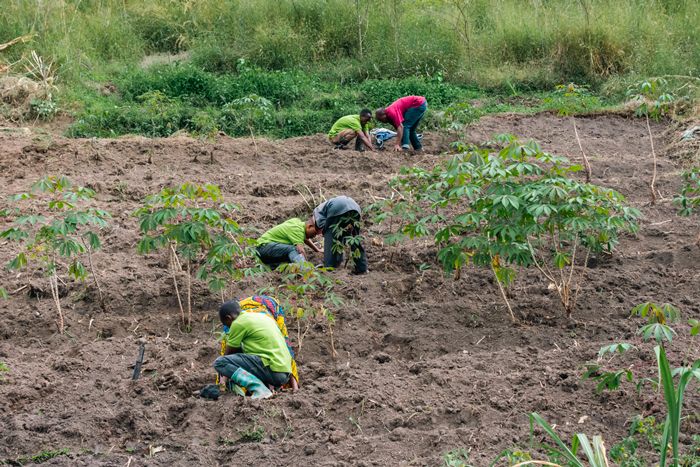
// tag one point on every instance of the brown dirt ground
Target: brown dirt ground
(426, 364)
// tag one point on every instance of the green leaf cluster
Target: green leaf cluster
(506, 209)
(570, 99)
(658, 317)
(309, 291)
(689, 199)
(200, 227)
(653, 98)
(54, 221)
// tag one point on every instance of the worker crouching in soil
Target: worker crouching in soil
(258, 356)
(285, 242)
(350, 127)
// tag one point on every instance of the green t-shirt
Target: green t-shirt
(258, 334)
(351, 122)
(290, 232)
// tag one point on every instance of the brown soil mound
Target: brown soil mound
(425, 364)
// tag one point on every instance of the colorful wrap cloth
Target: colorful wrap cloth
(269, 306)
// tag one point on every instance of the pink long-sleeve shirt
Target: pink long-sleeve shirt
(398, 108)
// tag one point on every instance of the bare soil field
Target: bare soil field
(425, 364)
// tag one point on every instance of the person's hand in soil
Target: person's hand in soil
(300, 249)
(294, 383)
(313, 246)
(398, 148)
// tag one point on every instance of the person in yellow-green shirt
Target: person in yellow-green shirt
(285, 242)
(257, 356)
(350, 127)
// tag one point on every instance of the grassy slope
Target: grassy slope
(317, 60)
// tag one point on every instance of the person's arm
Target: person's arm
(399, 137)
(313, 246)
(364, 136)
(234, 338)
(232, 350)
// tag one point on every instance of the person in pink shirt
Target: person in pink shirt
(404, 114)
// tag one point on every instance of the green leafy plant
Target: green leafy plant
(689, 199)
(248, 111)
(254, 434)
(154, 105)
(197, 228)
(309, 293)
(658, 318)
(518, 207)
(593, 450)
(43, 109)
(206, 129)
(459, 116)
(653, 101)
(53, 223)
(3, 369)
(41, 457)
(624, 453)
(347, 238)
(456, 458)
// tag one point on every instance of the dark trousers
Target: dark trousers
(411, 119)
(337, 232)
(228, 364)
(273, 254)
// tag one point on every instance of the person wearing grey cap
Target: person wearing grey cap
(338, 219)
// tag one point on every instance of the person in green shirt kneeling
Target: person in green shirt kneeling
(256, 356)
(349, 127)
(284, 243)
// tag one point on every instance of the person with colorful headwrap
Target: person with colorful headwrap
(258, 354)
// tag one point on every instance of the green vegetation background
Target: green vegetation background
(155, 66)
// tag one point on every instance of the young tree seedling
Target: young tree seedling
(520, 207)
(248, 112)
(198, 229)
(309, 293)
(654, 101)
(689, 199)
(658, 319)
(53, 222)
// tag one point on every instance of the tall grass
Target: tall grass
(488, 42)
(317, 60)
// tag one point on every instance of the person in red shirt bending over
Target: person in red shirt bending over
(404, 114)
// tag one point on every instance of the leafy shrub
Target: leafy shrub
(246, 113)
(52, 222)
(197, 229)
(519, 207)
(569, 99)
(309, 293)
(659, 318)
(43, 109)
(689, 199)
